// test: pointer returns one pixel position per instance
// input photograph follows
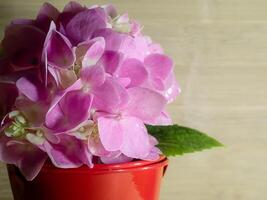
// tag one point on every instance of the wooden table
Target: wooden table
(220, 51)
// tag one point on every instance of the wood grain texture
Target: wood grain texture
(219, 47)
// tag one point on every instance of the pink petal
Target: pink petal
(96, 147)
(110, 133)
(157, 83)
(82, 26)
(109, 96)
(114, 40)
(158, 65)
(153, 154)
(94, 53)
(155, 48)
(133, 69)
(110, 61)
(136, 143)
(162, 119)
(94, 76)
(172, 88)
(116, 159)
(134, 47)
(144, 103)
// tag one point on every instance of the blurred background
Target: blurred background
(220, 51)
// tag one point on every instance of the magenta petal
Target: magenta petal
(82, 26)
(58, 49)
(68, 153)
(110, 61)
(7, 101)
(46, 14)
(23, 51)
(159, 65)
(10, 152)
(133, 69)
(73, 7)
(23, 154)
(93, 76)
(48, 10)
(31, 89)
(32, 163)
(94, 53)
(144, 103)
(136, 142)
(110, 133)
(71, 110)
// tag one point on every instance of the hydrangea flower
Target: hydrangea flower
(79, 88)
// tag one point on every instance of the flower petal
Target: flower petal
(23, 154)
(110, 60)
(58, 49)
(136, 142)
(82, 26)
(32, 89)
(70, 111)
(23, 51)
(94, 76)
(120, 158)
(159, 65)
(114, 40)
(110, 96)
(74, 7)
(144, 103)
(172, 88)
(32, 163)
(110, 133)
(48, 10)
(68, 153)
(94, 53)
(133, 69)
(110, 10)
(96, 147)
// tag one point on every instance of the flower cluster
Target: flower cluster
(78, 87)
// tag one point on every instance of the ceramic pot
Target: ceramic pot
(137, 180)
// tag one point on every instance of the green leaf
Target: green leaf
(177, 140)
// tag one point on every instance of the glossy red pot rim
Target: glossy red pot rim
(108, 168)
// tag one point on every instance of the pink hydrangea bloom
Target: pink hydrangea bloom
(81, 83)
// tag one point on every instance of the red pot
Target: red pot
(138, 180)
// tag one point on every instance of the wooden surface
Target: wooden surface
(220, 51)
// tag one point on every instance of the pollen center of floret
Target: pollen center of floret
(17, 126)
